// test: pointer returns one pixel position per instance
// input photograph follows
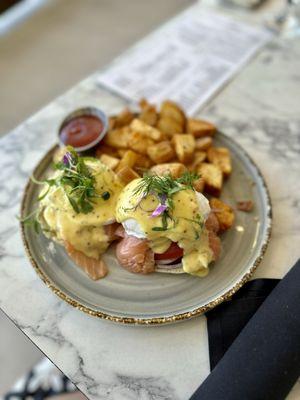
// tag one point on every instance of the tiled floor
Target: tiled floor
(56, 47)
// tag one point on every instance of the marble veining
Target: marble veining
(259, 109)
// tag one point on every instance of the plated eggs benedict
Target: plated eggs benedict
(168, 226)
(77, 209)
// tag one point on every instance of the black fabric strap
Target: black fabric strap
(264, 360)
(226, 321)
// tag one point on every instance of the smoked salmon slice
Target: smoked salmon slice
(95, 269)
(111, 231)
(135, 255)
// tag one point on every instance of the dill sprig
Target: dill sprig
(77, 182)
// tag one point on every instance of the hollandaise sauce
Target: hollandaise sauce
(183, 224)
(84, 231)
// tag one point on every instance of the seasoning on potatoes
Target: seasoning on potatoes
(161, 152)
(148, 113)
(172, 110)
(173, 169)
(223, 212)
(128, 159)
(203, 143)
(200, 128)
(184, 147)
(199, 157)
(146, 130)
(118, 138)
(220, 156)
(213, 178)
(127, 174)
(169, 126)
(139, 143)
(123, 118)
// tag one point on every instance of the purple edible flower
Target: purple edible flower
(159, 210)
(67, 158)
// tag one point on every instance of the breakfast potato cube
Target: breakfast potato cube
(173, 169)
(200, 128)
(203, 143)
(124, 118)
(127, 174)
(142, 162)
(146, 130)
(172, 110)
(121, 152)
(104, 149)
(128, 160)
(118, 138)
(148, 113)
(223, 212)
(199, 185)
(184, 147)
(220, 156)
(161, 152)
(109, 161)
(213, 178)
(169, 126)
(199, 157)
(139, 143)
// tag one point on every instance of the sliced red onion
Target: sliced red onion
(170, 263)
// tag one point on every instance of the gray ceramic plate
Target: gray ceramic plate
(160, 298)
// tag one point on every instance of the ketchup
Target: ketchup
(81, 131)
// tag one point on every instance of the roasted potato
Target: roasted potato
(203, 143)
(146, 130)
(169, 126)
(139, 143)
(199, 157)
(220, 156)
(184, 147)
(213, 178)
(173, 169)
(223, 212)
(118, 138)
(128, 160)
(127, 174)
(142, 162)
(148, 113)
(172, 110)
(199, 185)
(124, 118)
(161, 152)
(200, 128)
(111, 162)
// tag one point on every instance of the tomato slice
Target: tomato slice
(174, 251)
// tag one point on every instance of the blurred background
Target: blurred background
(62, 42)
(47, 46)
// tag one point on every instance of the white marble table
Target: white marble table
(261, 110)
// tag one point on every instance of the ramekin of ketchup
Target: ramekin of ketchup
(83, 129)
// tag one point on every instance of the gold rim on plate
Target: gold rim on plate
(155, 320)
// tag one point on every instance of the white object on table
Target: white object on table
(188, 60)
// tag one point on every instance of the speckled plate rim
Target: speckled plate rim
(164, 319)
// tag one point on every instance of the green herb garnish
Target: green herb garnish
(164, 188)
